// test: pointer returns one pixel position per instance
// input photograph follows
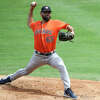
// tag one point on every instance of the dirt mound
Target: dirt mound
(36, 88)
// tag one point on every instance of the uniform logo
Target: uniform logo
(43, 31)
(49, 38)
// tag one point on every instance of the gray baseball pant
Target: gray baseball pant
(38, 60)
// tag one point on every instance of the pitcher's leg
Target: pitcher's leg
(58, 63)
(34, 63)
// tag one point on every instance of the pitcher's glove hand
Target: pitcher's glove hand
(65, 36)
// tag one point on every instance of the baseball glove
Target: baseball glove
(65, 36)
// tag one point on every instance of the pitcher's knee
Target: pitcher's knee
(23, 71)
(62, 68)
(27, 71)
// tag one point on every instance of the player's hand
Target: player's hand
(70, 28)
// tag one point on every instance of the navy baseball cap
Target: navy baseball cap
(46, 9)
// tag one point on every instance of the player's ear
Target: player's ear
(40, 13)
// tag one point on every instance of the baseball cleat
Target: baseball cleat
(69, 94)
(5, 80)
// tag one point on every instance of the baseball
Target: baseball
(33, 3)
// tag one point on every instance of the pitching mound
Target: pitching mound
(36, 88)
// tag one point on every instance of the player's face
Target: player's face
(46, 15)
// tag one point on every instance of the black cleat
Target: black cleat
(5, 80)
(69, 94)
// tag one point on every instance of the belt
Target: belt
(45, 54)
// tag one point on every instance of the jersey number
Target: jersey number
(49, 39)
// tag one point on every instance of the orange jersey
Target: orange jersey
(45, 35)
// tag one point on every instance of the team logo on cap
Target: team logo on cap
(46, 7)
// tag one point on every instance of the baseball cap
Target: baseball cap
(46, 9)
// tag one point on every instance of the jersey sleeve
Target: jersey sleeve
(32, 25)
(61, 25)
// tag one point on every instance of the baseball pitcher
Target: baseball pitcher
(45, 37)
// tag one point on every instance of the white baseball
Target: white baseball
(33, 3)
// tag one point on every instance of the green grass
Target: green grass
(82, 57)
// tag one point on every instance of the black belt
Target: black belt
(45, 54)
